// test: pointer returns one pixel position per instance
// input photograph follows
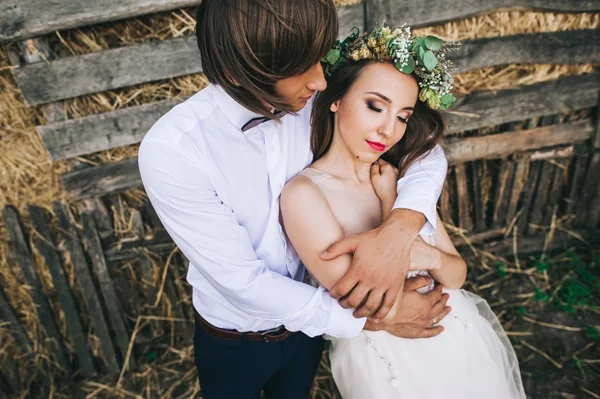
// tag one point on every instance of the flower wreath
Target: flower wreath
(423, 56)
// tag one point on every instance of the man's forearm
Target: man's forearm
(403, 226)
(406, 222)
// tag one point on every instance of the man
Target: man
(213, 168)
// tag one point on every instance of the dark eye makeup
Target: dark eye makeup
(372, 107)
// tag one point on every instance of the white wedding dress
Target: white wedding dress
(471, 359)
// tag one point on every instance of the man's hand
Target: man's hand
(379, 264)
(412, 316)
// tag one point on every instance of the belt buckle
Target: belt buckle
(264, 334)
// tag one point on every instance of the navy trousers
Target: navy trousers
(241, 370)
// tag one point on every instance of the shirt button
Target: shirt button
(289, 259)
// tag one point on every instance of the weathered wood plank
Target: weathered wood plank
(568, 47)
(517, 188)
(120, 67)
(530, 189)
(103, 219)
(147, 279)
(179, 271)
(10, 382)
(175, 306)
(418, 13)
(23, 255)
(541, 197)
(579, 164)
(150, 215)
(589, 200)
(146, 273)
(100, 269)
(558, 152)
(115, 68)
(505, 179)
(161, 247)
(102, 180)
(107, 70)
(45, 243)
(596, 136)
(500, 145)
(462, 193)
(555, 191)
(124, 175)
(102, 131)
(445, 205)
(128, 126)
(21, 339)
(21, 19)
(88, 290)
(486, 108)
(479, 211)
(36, 51)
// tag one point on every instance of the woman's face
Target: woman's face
(374, 113)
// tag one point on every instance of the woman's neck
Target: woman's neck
(339, 162)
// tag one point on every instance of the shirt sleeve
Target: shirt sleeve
(421, 185)
(208, 234)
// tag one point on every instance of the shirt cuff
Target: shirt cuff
(413, 199)
(342, 324)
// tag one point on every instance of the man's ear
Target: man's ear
(334, 106)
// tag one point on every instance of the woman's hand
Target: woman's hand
(424, 256)
(384, 177)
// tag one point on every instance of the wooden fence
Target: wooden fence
(543, 163)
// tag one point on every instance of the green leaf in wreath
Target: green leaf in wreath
(333, 56)
(420, 54)
(433, 43)
(419, 42)
(446, 101)
(429, 61)
(409, 67)
(448, 98)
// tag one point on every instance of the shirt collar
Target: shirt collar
(237, 114)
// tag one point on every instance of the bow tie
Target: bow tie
(257, 121)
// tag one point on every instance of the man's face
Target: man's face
(298, 89)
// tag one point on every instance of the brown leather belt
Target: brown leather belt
(275, 335)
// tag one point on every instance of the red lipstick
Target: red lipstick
(375, 145)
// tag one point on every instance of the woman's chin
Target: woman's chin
(370, 157)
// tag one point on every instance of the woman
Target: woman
(379, 110)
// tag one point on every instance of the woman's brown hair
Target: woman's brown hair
(424, 129)
(246, 46)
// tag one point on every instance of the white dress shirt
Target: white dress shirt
(216, 190)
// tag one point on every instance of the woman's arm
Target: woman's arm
(311, 227)
(452, 269)
(442, 260)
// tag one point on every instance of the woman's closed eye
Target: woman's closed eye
(372, 107)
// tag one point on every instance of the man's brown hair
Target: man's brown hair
(247, 46)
